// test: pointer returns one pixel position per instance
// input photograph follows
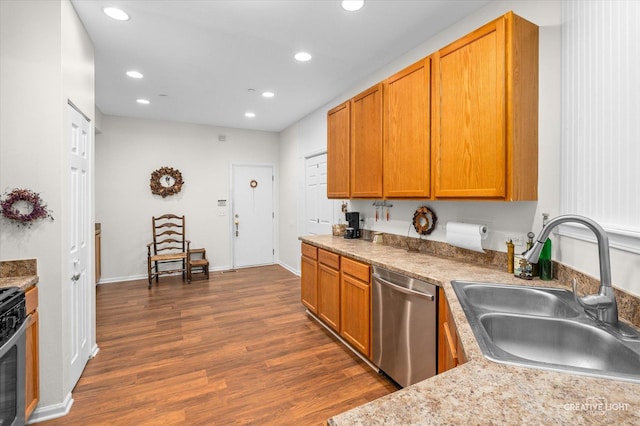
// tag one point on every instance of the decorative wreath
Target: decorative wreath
(424, 220)
(38, 208)
(166, 174)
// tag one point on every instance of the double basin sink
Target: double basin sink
(546, 328)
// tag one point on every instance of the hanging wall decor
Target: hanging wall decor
(424, 220)
(166, 181)
(23, 207)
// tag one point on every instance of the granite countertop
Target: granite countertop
(23, 282)
(480, 391)
(18, 273)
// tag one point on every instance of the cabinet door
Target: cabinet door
(355, 326)
(485, 107)
(447, 337)
(338, 151)
(407, 127)
(470, 153)
(329, 296)
(308, 283)
(366, 144)
(32, 380)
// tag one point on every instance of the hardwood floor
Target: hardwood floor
(235, 349)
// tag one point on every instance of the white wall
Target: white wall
(46, 59)
(128, 150)
(309, 135)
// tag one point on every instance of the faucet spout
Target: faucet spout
(605, 302)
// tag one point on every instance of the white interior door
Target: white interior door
(253, 216)
(318, 208)
(80, 250)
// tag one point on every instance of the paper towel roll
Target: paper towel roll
(466, 235)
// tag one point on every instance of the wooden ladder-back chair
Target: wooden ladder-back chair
(169, 246)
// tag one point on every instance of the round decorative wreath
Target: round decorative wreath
(167, 174)
(424, 221)
(38, 209)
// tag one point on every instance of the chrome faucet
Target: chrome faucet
(604, 303)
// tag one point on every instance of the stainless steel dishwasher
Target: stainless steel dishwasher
(404, 326)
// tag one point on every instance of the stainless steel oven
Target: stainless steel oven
(13, 325)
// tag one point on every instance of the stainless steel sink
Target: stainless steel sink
(545, 328)
(542, 301)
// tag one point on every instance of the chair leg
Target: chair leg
(149, 271)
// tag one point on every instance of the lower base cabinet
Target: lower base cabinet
(355, 305)
(342, 288)
(309, 277)
(32, 381)
(329, 288)
(450, 353)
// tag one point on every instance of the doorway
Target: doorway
(318, 208)
(81, 288)
(252, 216)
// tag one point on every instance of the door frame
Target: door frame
(232, 244)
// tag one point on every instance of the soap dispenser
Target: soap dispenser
(545, 266)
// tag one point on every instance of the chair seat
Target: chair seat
(199, 262)
(168, 256)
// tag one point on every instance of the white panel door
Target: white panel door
(318, 208)
(253, 216)
(80, 281)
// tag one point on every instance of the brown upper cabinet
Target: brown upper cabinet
(460, 124)
(366, 143)
(407, 126)
(485, 113)
(338, 148)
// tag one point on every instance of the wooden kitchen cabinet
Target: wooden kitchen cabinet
(407, 143)
(355, 304)
(485, 113)
(309, 277)
(32, 379)
(366, 143)
(450, 352)
(338, 151)
(329, 288)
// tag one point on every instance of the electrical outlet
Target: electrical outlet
(518, 239)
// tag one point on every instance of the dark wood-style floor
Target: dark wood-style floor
(236, 349)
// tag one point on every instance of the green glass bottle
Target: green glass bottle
(545, 267)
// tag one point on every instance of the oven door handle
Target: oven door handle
(13, 340)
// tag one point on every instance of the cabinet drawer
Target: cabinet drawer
(356, 269)
(31, 299)
(328, 258)
(310, 251)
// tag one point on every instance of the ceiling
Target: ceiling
(208, 61)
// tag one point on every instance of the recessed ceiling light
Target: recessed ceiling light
(302, 56)
(143, 101)
(249, 114)
(115, 13)
(352, 5)
(134, 74)
(268, 94)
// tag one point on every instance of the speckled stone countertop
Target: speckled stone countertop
(18, 273)
(480, 391)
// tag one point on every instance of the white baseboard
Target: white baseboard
(49, 412)
(145, 276)
(289, 268)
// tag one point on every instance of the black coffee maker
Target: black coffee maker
(353, 227)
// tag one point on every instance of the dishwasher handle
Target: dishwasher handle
(405, 290)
